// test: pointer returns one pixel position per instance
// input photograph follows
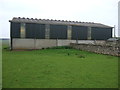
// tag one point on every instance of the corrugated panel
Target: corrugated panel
(15, 30)
(35, 31)
(59, 22)
(101, 33)
(79, 32)
(58, 31)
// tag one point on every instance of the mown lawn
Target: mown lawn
(58, 68)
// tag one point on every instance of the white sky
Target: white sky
(99, 11)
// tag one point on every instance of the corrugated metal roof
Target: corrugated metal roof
(61, 22)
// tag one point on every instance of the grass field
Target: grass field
(59, 68)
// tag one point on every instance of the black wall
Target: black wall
(79, 32)
(101, 33)
(15, 30)
(58, 31)
(35, 31)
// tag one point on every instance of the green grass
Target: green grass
(59, 68)
(5, 42)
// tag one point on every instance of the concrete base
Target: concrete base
(65, 42)
(23, 44)
(45, 43)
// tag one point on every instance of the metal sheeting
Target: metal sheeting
(58, 32)
(58, 22)
(79, 33)
(15, 30)
(101, 33)
(35, 31)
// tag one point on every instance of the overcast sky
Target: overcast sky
(98, 11)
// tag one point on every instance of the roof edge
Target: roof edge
(63, 22)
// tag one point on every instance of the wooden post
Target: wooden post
(11, 39)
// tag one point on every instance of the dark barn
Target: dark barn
(29, 33)
(58, 32)
(79, 32)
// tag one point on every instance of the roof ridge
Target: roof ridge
(60, 22)
(51, 20)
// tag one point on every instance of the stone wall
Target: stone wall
(99, 48)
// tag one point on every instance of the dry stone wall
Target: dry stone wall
(110, 48)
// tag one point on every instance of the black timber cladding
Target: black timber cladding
(35, 31)
(15, 30)
(101, 33)
(35, 28)
(58, 32)
(79, 32)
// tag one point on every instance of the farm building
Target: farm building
(29, 33)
